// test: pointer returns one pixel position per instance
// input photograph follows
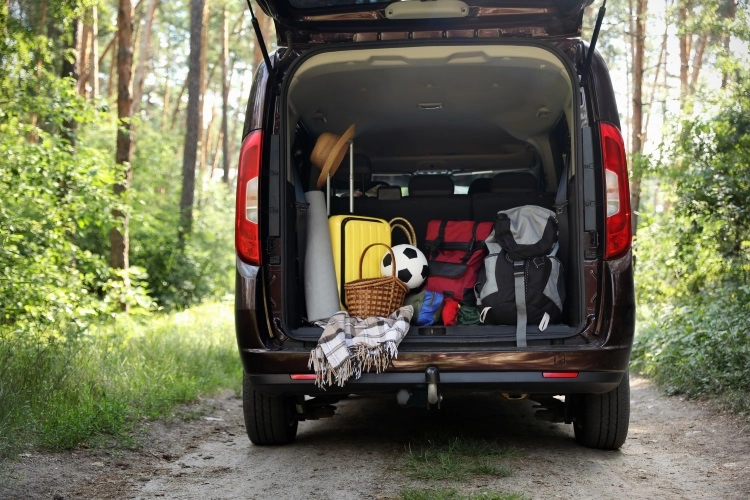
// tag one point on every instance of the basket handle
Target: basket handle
(405, 226)
(364, 252)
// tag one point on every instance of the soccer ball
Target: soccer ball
(411, 265)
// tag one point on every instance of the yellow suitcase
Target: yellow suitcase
(350, 235)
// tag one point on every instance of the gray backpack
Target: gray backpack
(522, 281)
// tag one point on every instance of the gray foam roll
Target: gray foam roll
(321, 292)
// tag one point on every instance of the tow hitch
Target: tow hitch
(432, 377)
(421, 397)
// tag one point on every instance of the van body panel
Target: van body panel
(431, 97)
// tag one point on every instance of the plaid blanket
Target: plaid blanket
(350, 346)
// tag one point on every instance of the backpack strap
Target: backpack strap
(519, 268)
(433, 247)
(471, 244)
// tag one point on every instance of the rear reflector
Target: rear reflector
(560, 374)
(247, 234)
(302, 376)
(619, 234)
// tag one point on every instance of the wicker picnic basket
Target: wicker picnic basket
(406, 227)
(367, 297)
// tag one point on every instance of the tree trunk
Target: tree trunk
(217, 155)
(119, 234)
(112, 43)
(203, 163)
(84, 56)
(685, 42)
(33, 137)
(178, 101)
(143, 55)
(731, 13)
(700, 48)
(165, 105)
(636, 141)
(194, 119)
(94, 80)
(167, 88)
(660, 63)
(202, 79)
(70, 70)
(225, 98)
(112, 68)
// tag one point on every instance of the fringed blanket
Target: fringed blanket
(350, 346)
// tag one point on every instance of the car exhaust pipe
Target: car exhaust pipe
(511, 396)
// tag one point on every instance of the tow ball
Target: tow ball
(432, 377)
(419, 397)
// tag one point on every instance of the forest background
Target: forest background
(120, 123)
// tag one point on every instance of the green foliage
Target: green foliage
(178, 275)
(454, 494)
(52, 195)
(694, 260)
(701, 348)
(456, 458)
(103, 383)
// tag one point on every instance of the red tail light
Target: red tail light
(618, 231)
(560, 374)
(246, 233)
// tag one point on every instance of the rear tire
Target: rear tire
(601, 420)
(269, 419)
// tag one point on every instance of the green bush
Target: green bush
(60, 392)
(52, 195)
(693, 273)
(178, 274)
(701, 348)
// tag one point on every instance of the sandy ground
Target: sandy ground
(675, 449)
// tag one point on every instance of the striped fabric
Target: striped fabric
(350, 346)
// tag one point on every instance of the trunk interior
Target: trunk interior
(494, 119)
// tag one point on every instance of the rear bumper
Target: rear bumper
(511, 382)
(598, 370)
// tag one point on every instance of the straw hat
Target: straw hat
(329, 152)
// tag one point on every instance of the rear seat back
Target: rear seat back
(431, 185)
(430, 197)
(508, 190)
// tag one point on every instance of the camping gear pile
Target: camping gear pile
(502, 272)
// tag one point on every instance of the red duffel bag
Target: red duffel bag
(455, 251)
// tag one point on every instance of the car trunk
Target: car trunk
(470, 110)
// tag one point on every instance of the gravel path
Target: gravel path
(675, 449)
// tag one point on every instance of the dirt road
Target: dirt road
(675, 449)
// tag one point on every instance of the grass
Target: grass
(456, 458)
(700, 348)
(59, 392)
(454, 494)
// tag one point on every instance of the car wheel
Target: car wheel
(601, 420)
(269, 419)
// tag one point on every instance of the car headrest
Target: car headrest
(430, 185)
(506, 182)
(481, 185)
(389, 193)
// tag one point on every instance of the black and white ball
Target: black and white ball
(411, 265)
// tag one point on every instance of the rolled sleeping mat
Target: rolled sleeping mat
(321, 292)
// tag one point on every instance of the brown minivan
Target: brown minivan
(504, 100)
